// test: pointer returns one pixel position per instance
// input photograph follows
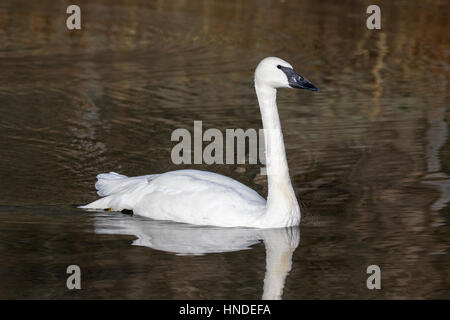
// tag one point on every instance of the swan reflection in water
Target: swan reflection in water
(185, 239)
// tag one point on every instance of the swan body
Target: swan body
(206, 198)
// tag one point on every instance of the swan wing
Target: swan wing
(200, 197)
(187, 196)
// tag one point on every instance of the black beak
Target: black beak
(297, 81)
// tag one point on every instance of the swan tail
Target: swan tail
(118, 191)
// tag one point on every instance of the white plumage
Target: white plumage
(206, 198)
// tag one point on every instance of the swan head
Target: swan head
(276, 73)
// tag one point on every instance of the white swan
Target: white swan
(206, 198)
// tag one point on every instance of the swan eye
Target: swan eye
(278, 66)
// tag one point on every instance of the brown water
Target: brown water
(369, 154)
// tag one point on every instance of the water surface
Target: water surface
(368, 154)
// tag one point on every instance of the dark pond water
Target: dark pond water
(369, 155)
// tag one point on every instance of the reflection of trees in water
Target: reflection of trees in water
(360, 148)
(391, 203)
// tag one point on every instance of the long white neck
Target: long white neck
(282, 208)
